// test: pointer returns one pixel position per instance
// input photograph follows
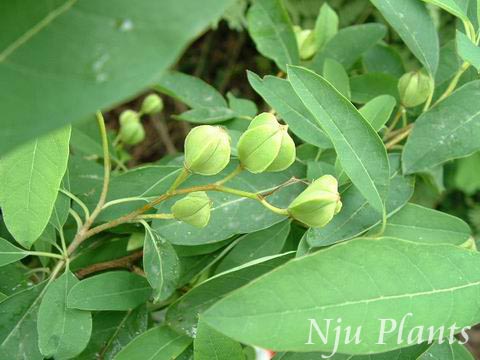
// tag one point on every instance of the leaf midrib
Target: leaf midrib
(26, 36)
(362, 301)
(369, 178)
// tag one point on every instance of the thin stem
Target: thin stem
(124, 262)
(398, 138)
(274, 209)
(230, 176)
(80, 236)
(155, 216)
(395, 121)
(210, 187)
(184, 174)
(428, 102)
(122, 200)
(453, 83)
(64, 246)
(45, 254)
(77, 218)
(78, 201)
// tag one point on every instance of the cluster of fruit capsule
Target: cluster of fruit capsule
(265, 146)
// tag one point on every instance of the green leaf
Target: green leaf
(129, 44)
(9, 253)
(412, 22)
(62, 333)
(348, 45)
(206, 115)
(447, 351)
(312, 287)
(378, 110)
(256, 245)
(467, 50)
(326, 25)
(113, 330)
(143, 183)
(458, 8)
(14, 278)
(271, 30)
(31, 177)
(210, 344)
(18, 324)
(161, 265)
(385, 59)
(159, 343)
(2, 297)
(360, 150)
(279, 94)
(447, 131)
(357, 214)
(334, 72)
(183, 314)
(114, 290)
(466, 175)
(242, 107)
(190, 90)
(408, 353)
(366, 87)
(244, 215)
(61, 208)
(420, 224)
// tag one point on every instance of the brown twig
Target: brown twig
(398, 138)
(124, 262)
(160, 125)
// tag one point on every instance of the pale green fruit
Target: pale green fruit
(131, 129)
(193, 209)
(152, 104)
(207, 150)
(129, 116)
(266, 145)
(307, 46)
(318, 203)
(414, 88)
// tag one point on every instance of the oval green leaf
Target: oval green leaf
(380, 279)
(360, 151)
(129, 44)
(159, 343)
(413, 23)
(31, 177)
(63, 333)
(271, 30)
(447, 131)
(114, 290)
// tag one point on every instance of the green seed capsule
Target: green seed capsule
(317, 204)
(152, 104)
(414, 88)
(193, 209)
(266, 145)
(131, 129)
(128, 116)
(207, 150)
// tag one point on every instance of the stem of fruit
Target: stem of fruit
(80, 236)
(402, 135)
(396, 119)
(230, 176)
(210, 187)
(184, 174)
(454, 82)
